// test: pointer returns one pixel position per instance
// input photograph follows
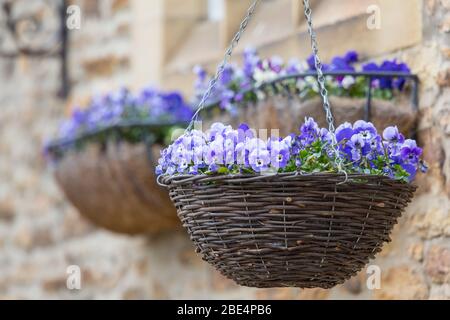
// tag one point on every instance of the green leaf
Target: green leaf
(223, 170)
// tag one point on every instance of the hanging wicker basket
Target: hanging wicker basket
(114, 187)
(288, 230)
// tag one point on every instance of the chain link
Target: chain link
(224, 63)
(318, 63)
(321, 81)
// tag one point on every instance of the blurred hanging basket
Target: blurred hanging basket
(113, 185)
(269, 93)
(105, 158)
(277, 105)
(114, 188)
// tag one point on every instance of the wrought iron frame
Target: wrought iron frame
(370, 76)
(58, 50)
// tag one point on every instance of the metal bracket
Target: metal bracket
(13, 22)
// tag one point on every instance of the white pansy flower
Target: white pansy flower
(348, 81)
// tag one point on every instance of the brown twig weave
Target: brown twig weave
(288, 229)
(116, 189)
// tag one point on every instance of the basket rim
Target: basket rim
(187, 179)
(57, 143)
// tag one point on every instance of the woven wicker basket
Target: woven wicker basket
(115, 188)
(287, 229)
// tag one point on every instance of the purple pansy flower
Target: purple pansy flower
(409, 152)
(244, 132)
(376, 144)
(200, 73)
(387, 66)
(217, 129)
(170, 170)
(276, 64)
(341, 64)
(279, 156)
(193, 170)
(312, 64)
(410, 169)
(294, 66)
(226, 98)
(255, 143)
(227, 75)
(259, 159)
(344, 131)
(213, 167)
(309, 131)
(366, 129)
(356, 145)
(325, 135)
(216, 151)
(392, 135)
(159, 170)
(251, 61)
(241, 154)
(351, 57)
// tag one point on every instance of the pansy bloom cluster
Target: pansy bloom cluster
(361, 149)
(236, 83)
(117, 115)
(351, 86)
(122, 105)
(245, 84)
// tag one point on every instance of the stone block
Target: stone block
(221, 283)
(279, 294)
(430, 221)
(444, 26)
(118, 5)
(104, 66)
(440, 292)
(30, 237)
(437, 264)
(74, 225)
(403, 283)
(443, 78)
(415, 251)
(54, 284)
(7, 210)
(445, 4)
(313, 294)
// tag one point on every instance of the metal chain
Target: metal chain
(318, 64)
(317, 61)
(321, 81)
(224, 63)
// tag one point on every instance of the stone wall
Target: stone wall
(41, 234)
(99, 54)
